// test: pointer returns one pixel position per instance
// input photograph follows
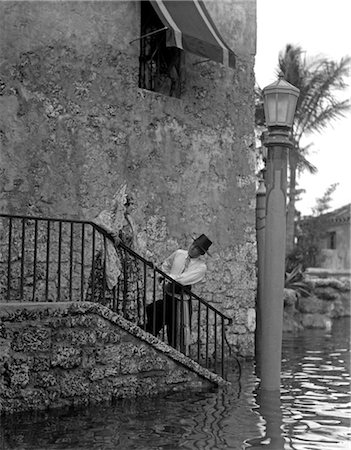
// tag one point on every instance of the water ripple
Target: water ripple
(316, 415)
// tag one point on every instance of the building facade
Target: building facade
(77, 122)
(335, 243)
(329, 238)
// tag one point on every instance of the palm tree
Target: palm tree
(319, 80)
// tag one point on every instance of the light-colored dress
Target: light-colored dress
(116, 279)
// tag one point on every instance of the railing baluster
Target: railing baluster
(144, 295)
(23, 238)
(114, 300)
(114, 305)
(104, 270)
(164, 300)
(198, 331)
(182, 323)
(154, 302)
(35, 257)
(70, 285)
(82, 264)
(174, 316)
(93, 267)
(118, 295)
(222, 365)
(215, 340)
(9, 256)
(137, 293)
(125, 283)
(205, 325)
(47, 261)
(207, 337)
(59, 263)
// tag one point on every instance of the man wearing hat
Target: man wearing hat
(187, 268)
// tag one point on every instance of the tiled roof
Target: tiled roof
(340, 215)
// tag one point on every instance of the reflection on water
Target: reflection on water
(269, 408)
(312, 412)
(207, 420)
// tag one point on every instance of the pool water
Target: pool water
(312, 412)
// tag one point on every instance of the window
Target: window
(160, 66)
(332, 240)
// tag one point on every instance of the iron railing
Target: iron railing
(47, 259)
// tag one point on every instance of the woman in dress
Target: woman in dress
(116, 276)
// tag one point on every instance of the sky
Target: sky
(320, 27)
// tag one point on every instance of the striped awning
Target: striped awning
(190, 27)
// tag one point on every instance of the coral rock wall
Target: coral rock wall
(75, 125)
(329, 300)
(61, 354)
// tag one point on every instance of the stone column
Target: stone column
(260, 237)
(274, 259)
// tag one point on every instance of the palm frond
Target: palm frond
(303, 164)
(319, 80)
(304, 150)
(333, 111)
(317, 95)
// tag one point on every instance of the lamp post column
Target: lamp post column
(260, 237)
(277, 142)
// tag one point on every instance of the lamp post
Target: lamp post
(280, 100)
(260, 238)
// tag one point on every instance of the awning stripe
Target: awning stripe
(213, 32)
(168, 17)
(191, 28)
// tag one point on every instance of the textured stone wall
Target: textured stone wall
(75, 125)
(60, 354)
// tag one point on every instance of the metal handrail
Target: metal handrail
(48, 248)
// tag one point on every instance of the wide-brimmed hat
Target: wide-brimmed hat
(203, 242)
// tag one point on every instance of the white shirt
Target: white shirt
(173, 266)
